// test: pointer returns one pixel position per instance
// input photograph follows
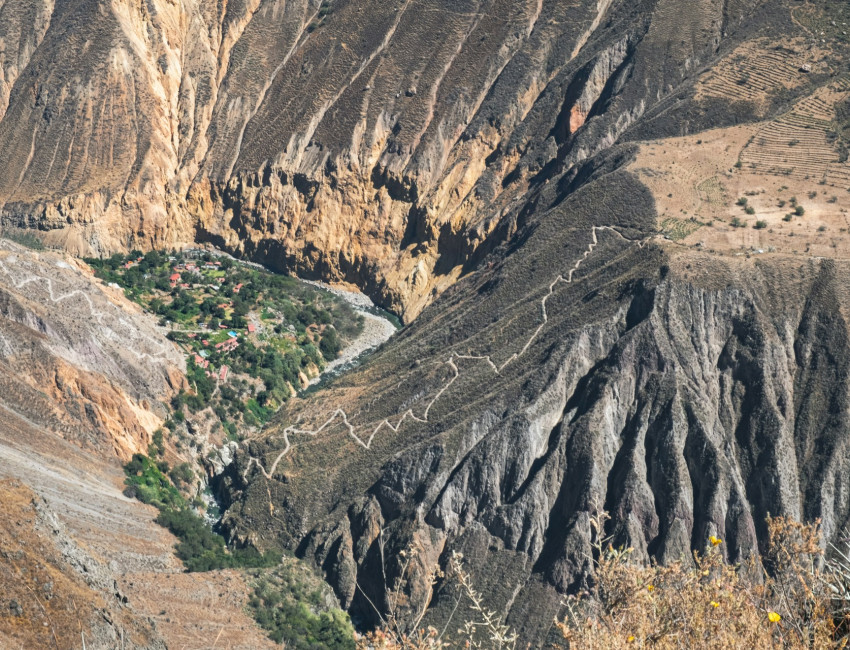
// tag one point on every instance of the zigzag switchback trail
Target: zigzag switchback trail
(615, 233)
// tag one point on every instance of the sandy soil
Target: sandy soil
(697, 185)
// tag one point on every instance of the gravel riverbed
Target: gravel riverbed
(376, 329)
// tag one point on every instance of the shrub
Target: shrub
(150, 484)
(799, 211)
(182, 473)
(293, 624)
(330, 344)
(230, 427)
(291, 603)
(27, 239)
(760, 225)
(157, 446)
(201, 549)
(741, 201)
(750, 209)
(707, 603)
(737, 223)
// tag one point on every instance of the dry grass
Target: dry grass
(791, 598)
(785, 602)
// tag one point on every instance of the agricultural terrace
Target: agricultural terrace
(251, 337)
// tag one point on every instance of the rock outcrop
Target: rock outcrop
(85, 379)
(79, 358)
(593, 366)
(390, 145)
(471, 166)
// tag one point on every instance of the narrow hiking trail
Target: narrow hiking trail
(342, 416)
(96, 313)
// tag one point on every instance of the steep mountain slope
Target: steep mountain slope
(54, 593)
(386, 144)
(591, 361)
(555, 196)
(85, 380)
(78, 358)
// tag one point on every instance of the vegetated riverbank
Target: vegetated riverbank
(252, 339)
(378, 326)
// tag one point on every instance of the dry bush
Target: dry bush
(482, 629)
(792, 597)
(706, 603)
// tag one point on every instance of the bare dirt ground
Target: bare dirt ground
(699, 183)
(190, 610)
(214, 602)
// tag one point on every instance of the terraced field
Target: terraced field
(797, 145)
(755, 72)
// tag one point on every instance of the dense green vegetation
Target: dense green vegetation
(250, 336)
(199, 547)
(288, 603)
(147, 482)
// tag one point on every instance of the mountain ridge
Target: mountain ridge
(615, 232)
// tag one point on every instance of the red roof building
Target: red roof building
(174, 277)
(227, 346)
(252, 328)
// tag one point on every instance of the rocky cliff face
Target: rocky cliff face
(492, 171)
(386, 144)
(85, 379)
(78, 358)
(595, 366)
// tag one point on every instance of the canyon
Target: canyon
(615, 232)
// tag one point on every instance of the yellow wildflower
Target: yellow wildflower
(715, 540)
(773, 617)
(650, 587)
(631, 639)
(714, 604)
